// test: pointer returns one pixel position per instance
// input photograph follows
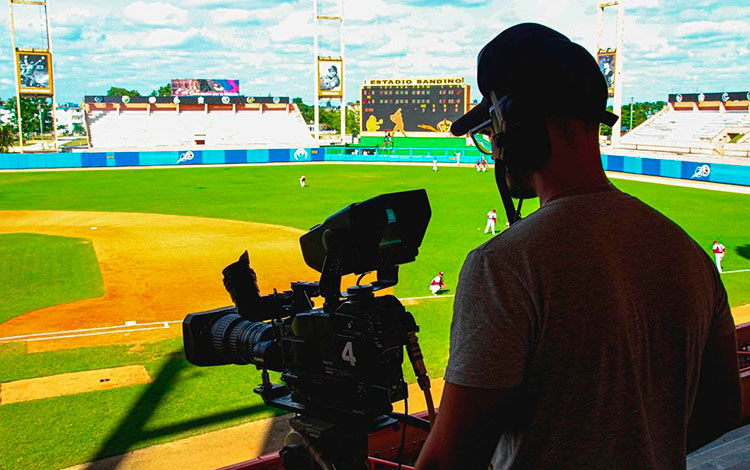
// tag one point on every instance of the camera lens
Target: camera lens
(235, 339)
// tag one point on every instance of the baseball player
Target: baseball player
(491, 220)
(434, 164)
(437, 283)
(302, 181)
(478, 165)
(484, 165)
(719, 250)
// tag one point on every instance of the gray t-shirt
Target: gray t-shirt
(598, 307)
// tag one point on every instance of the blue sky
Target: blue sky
(670, 45)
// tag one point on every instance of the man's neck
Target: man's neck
(570, 172)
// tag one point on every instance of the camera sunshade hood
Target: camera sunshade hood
(378, 233)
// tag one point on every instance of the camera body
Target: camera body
(335, 365)
(341, 362)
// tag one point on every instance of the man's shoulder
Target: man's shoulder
(580, 217)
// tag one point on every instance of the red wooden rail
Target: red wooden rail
(384, 444)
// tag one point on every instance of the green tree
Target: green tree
(78, 128)
(352, 122)
(641, 112)
(329, 119)
(7, 137)
(116, 91)
(305, 109)
(165, 90)
(31, 110)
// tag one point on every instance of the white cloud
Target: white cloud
(712, 28)
(155, 39)
(156, 14)
(643, 4)
(223, 16)
(296, 25)
(267, 44)
(71, 16)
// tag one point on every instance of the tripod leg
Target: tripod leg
(298, 453)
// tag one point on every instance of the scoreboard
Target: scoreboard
(412, 105)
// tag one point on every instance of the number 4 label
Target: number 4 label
(348, 354)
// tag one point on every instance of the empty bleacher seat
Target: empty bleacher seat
(216, 128)
(686, 130)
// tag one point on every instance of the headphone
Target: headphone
(521, 133)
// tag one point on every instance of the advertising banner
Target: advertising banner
(205, 87)
(606, 60)
(330, 77)
(34, 73)
(187, 99)
(725, 96)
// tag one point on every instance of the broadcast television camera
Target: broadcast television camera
(341, 364)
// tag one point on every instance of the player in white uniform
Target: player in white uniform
(434, 164)
(718, 250)
(491, 220)
(302, 181)
(437, 283)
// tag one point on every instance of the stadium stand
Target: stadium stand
(137, 123)
(702, 127)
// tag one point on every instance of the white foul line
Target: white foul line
(90, 331)
(126, 328)
(429, 297)
(166, 326)
(736, 271)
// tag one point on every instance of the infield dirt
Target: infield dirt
(154, 268)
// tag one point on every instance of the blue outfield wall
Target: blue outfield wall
(695, 171)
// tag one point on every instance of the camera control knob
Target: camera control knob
(359, 292)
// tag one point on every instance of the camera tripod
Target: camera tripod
(315, 444)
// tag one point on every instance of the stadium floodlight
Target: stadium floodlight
(32, 61)
(611, 59)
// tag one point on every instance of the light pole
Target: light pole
(41, 126)
(631, 115)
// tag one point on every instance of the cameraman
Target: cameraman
(577, 340)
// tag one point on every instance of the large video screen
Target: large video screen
(35, 73)
(411, 107)
(205, 87)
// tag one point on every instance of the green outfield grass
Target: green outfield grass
(186, 400)
(38, 271)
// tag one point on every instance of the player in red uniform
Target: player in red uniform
(437, 283)
(718, 250)
(491, 221)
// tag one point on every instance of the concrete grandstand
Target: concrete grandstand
(115, 122)
(710, 124)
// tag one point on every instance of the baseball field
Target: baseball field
(97, 269)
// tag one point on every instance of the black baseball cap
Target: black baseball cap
(552, 75)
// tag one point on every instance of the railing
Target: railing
(464, 155)
(744, 354)
(385, 463)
